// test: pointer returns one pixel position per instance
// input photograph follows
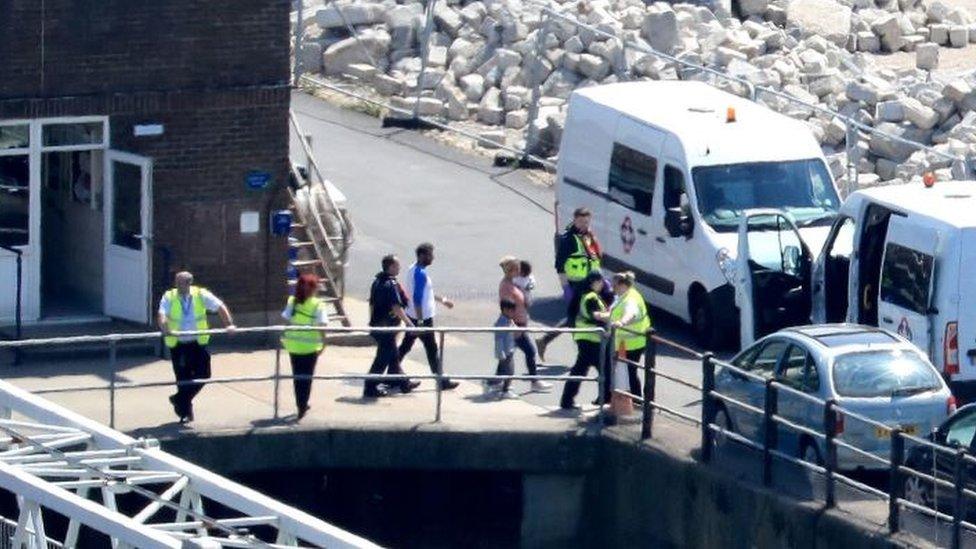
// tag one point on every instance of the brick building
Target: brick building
(139, 137)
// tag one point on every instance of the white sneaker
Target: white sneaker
(541, 386)
(488, 388)
(507, 395)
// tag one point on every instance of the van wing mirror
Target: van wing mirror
(678, 223)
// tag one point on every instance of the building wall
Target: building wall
(215, 73)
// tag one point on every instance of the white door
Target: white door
(907, 273)
(128, 226)
(774, 265)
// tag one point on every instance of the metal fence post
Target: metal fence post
(894, 479)
(531, 131)
(440, 376)
(112, 367)
(277, 380)
(424, 54)
(601, 371)
(959, 501)
(650, 382)
(830, 453)
(707, 407)
(770, 430)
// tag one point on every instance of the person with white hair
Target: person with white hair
(184, 308)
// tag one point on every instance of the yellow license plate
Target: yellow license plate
(885, 433)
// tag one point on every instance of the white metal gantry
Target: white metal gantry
(55, 460)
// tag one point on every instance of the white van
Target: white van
(668, 168)
(911, 272)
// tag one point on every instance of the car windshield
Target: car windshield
(801, 187)
(883, 373)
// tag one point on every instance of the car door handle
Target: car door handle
(659, 239)
(887, 320)
(642, 231)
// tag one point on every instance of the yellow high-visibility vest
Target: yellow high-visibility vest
(579, 263)
(175, 315)
(585, 320)
(633, 336)
(303, 342)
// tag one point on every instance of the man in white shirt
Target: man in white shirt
(422, 309)
(184, 308)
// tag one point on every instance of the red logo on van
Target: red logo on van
(627, 236)
(904, 330)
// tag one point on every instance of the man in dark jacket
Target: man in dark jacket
(578, 253)
(387, 301)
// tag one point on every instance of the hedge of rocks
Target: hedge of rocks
(483, 64)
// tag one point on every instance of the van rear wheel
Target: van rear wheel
(703, 324)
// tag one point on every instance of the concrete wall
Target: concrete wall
(578, 489)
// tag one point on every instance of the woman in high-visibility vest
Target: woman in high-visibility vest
(304, 346)
(591, 310)
(629, 315)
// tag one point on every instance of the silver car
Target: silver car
(869, 371)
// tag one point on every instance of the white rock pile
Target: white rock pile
(483, 65)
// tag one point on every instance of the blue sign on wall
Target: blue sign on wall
(257, 179)
(281, 222)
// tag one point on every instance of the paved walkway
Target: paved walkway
(245, 405)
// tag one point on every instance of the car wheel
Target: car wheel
(702, 321)
(810, 453)
(918, 491)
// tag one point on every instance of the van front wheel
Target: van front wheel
(703, 324)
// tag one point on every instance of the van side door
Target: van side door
(632, 177)
(907, 281)
(831, 273)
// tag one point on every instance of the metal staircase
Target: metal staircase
(321, 232)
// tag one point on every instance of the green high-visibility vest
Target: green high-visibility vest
(579, 263)
(175, 315)
(585, 320)
(633, 337)
(303, 342)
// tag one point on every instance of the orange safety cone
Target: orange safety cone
(621, 404)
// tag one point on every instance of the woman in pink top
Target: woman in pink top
(509, 291)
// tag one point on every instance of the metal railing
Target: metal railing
(550, 17)
(774, 421)
(114, 385)
(827, 431)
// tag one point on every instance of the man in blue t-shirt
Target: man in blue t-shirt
(423, 308)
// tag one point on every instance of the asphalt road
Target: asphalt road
(404, 188)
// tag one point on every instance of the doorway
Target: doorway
(78, 215)
(869, 262)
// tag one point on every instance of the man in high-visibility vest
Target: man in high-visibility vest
(577, 255)
(184, 308)
(592, 311)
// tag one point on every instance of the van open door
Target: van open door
(831, 274)
(772, 282)
(907, 273)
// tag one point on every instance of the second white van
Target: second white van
(668, 169)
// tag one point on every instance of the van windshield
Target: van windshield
(802, 188)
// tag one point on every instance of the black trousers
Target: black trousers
(387, 360)
(303, 365)
(635, 385)
(429, 340)
(190, 361)
(587, 356)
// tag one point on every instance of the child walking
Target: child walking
(504, 352)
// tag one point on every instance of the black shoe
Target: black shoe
(448, 385)
(409, 386)
(188, 414)
(568, 406)
(596, 402)
(375, 393)
(302, 410)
